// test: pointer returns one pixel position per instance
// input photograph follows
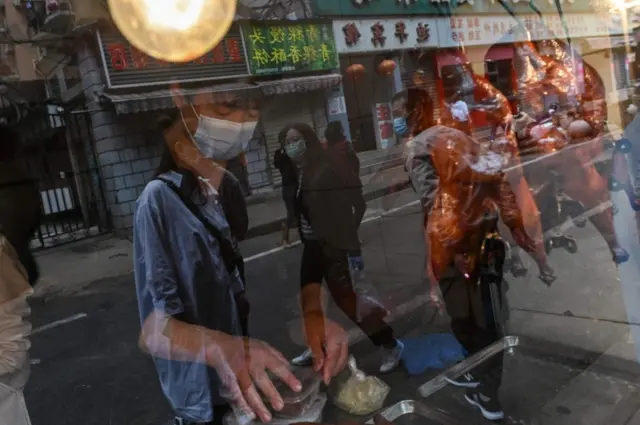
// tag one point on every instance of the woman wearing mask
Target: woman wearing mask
(188, 284)
(325, 202)
(19, 218)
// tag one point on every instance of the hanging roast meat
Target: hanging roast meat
(551, 73)
(471, 187)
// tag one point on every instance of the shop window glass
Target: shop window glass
(500, 75)
(458, 78)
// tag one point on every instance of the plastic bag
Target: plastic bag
(367, 302)
(358, 394)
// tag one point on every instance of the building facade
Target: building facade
(483, 30)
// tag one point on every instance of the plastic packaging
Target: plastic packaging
(357, 393)
(313, 414)
(297, 404)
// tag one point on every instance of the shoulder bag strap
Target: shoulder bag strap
(229, 255)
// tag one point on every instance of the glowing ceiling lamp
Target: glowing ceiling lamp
(173, 30)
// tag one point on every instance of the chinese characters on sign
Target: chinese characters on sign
(468, 29)
(384, 34)
(126, 66)
(351, 34)
(123, 56)
(385, 125)
(378, 38)
(289, 47)
(423, 32)
(349, 9)
(401, 32)
(503, 29)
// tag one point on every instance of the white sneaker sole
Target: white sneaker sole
(462, 384)
(492, 416)
(389, 368)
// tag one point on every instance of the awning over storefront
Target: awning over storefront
(299, 84)
(499, 52)
(449, 57)
(128, 103)
(605, 43)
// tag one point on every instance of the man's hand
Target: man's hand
(329, 344)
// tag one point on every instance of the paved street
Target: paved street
(89, 371)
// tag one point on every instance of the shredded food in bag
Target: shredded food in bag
(362, 397)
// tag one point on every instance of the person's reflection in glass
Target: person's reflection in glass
(289, 175)
(463, 192)
(325, 203)
(460, 113)
(189, 289)
(627, 222)
(346, 161)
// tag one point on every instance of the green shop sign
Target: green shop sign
(443, 7)
(284, 47)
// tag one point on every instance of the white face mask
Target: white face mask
(221, 139)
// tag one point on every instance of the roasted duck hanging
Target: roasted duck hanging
(472, 190)
(578, 127)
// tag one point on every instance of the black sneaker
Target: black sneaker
(489, 407)
(465, 381)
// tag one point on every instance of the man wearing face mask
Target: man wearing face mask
(412, 114)
(19, 217)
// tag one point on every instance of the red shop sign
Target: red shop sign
(126, 66)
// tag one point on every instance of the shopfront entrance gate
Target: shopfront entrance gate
(59, 152)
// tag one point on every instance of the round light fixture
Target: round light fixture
(173, 30)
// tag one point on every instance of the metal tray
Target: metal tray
(411, 412)
(506, 344)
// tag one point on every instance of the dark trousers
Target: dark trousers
(320, 263)
(469, 304)
(218, 413)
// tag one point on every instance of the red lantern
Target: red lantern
(386, 67)
(355, 70)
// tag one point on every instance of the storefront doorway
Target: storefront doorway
(362, 95)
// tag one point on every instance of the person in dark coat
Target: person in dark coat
(283, 163)
(344, 158)
(340, 149)
(324, 205)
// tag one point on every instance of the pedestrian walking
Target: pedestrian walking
(288, 172)
(19, 218)
(460, 113)
(328, 227)
(340, 149)
(345, 159)
(190, 293)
